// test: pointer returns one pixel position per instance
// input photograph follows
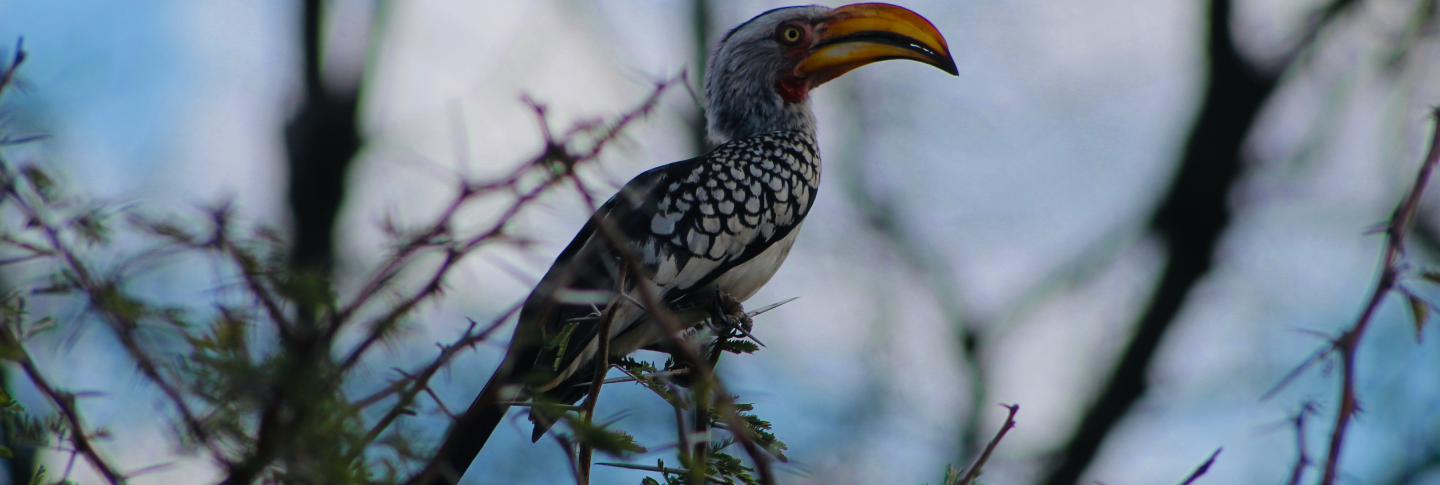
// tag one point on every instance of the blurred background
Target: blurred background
(1132, 218)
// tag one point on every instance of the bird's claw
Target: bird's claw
(732, 317)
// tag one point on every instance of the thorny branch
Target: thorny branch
(556, 163)
(65, 402)
(413, 384)
(266, 286)
(1391, 266)
(263, 283)
(251, 273)
(104, 296)
(557, 155)
(100, 292)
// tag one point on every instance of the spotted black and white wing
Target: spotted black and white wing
(690, 223)
(706, 217)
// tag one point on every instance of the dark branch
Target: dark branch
(1189, 222)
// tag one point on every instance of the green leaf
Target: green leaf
(307, 287)
(1432, 275)
(737, 346)
(560, 341)
(649, 481)
(112, 300)
(637, 366)
(614, 443)
(730, 466)
(90, 225)
(759, 431)
(1421, 311)
(42, 183)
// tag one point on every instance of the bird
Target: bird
(713, 227)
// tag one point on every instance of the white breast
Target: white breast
(744, 280)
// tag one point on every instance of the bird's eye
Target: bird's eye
(790, 34)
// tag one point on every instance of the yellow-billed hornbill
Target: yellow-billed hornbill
(718, 224)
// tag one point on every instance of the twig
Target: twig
(1204, 467)
(602, 365)
(421, 380)
(634, 378)
(682, 440)
(380, 395)
(439, 403)
(8, 74)
(569, 449)
(531, 404)
(674, 471)
(250, 273)
(1300, 369)
(1349, 341)
(1303, 460)
(973, 472)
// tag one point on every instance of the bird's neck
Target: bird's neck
(739, 110)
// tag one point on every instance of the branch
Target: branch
(602, 365)
(1303, 460)
(555, 152)
(66, 403)
(974, 472)
(250, 272)
(1348, 343)
(1204, 467)
(99, 293)
(685, 351)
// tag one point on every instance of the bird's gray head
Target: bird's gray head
(759, 78)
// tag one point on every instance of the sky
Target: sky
(1026, 181)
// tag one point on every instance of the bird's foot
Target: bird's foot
(733, 312)
(731, 318)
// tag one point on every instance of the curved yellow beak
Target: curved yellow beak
(859, 34)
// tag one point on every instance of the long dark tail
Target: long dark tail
(468, 435)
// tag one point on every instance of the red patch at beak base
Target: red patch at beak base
(792, 88)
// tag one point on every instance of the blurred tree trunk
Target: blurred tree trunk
(1192, 216)
(700, 20)
(321, 141)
